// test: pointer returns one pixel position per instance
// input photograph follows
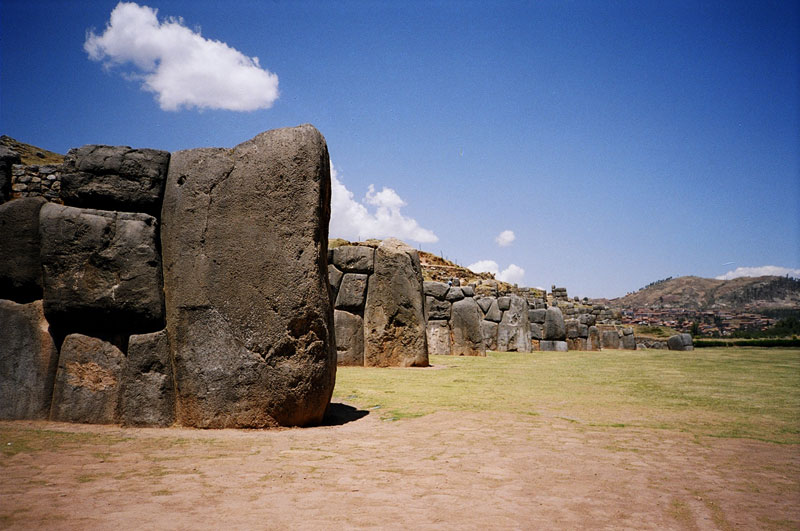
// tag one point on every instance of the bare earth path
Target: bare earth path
(447, 470)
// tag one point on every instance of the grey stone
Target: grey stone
(485, 303)
(593, 341)
(465, 324)
(468, 291)
(352, 292)
(20, 264)
(8, 158)
(115, 178)
(680, 342)
(249, 318)
(494, 314)
(536, 331)
(504, 303)
(28, 359)
(538, 315)
(334, 277)
(553, 346)
(438, 332)
(394, 320)
(554, 327)
(349, 338)
(627, 331)
(435, 289)
(454, 294)
(437, 309)
(628, 341)
(587, 319)
(354, 258)
(578, 343)
(87, 382)
(514, 333)
(571, 326)
(610, 339)
(583, 330)
(147, 393)
(489, 333)
(101, 271)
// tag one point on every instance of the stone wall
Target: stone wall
(244, 336)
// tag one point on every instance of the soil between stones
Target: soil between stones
(447, 470)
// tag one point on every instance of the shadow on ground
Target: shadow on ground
(338, 414)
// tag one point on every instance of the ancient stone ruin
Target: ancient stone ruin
(189, 287)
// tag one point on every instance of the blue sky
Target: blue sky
(620, 142)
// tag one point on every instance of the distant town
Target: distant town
(709, 322)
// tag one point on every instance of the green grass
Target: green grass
(728, 392)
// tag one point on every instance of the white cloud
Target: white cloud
(180, 66)
(505, 238)
(352, 220)
(484, 266)
(760, 272)
(513, 274)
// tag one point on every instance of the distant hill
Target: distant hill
(695, 293)
(29, 154)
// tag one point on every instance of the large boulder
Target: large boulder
(244, 236)
(493, 313)
(147, 394)
(465, 326)
(514, 332)
(554, 327)
(101, 271)
(349, 338)
(394, 321)
(437, 309)
(438, 338)
(8, 158)
(680, 342)
(437, 290)
(354, 258)
(87, 382)
(20, 265)
(115, 178)
(352, 291)
(28, 360)
(609, 339)
(489, 333)
(593, 341)
(537, 315)
(628, 339)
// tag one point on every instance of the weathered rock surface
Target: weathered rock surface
(538, 315)
(249, 318)
(147, 394)
(493, 313)
(435, 289)
(484, 303)
(680, 342)
(504, 303)
(514, 333)
(115, 178)
(454, 294)
(352, 291)
(334, 277)
(354, 258)
(438, 338)
(8, 158)
(101, 270)
(349, 338)
(628, 341)
(20, 265)
(394, 321)
(465, 325)
(536, 331)
(28, 360)
(437, 309)
(554, 327)
(610, 339)
(553, 346)
(593, 341)
(489, 333)
(87, 382)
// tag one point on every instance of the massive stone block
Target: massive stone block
(593, 341)
(354, 258)
(438, 338)
(115, 178)
(609, 339)
(20, 265)
(349, 338)
(437, 309)
(465, 326)
(554, 327)
(514, 332)
(147, 395)
(553, 346)
(352, 291)
(435, 289)
(680, 342)
(87, 381)
(493, 313)
(394, 321)
(489, 333)
(250, 322)
(102, 271)
(28, 360)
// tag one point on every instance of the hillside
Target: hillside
(29, 154)
(695, 293)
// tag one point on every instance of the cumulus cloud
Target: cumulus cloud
(505, 238)
(513, 274)
(180, 66)
(760, 272)
(353, 220)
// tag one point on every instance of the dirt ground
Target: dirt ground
(447, 470)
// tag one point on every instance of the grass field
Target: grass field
(721, 392)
